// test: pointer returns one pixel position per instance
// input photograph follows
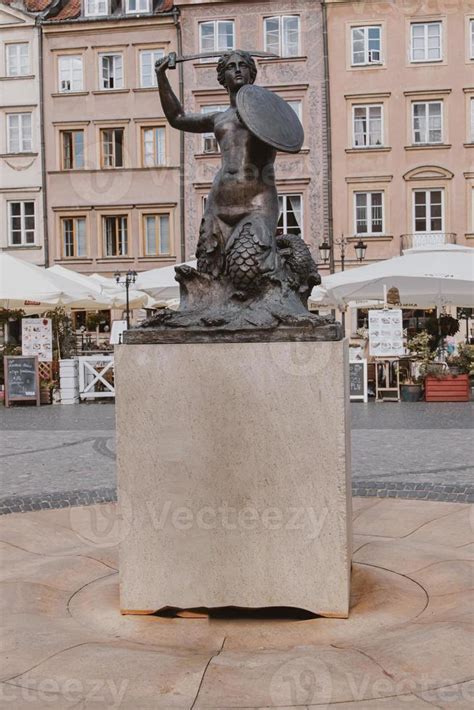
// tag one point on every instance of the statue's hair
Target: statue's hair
(222, 64)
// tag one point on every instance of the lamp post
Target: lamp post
(130, 278)
(325, 253)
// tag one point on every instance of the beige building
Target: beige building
(112, 160)
(294, 31)
(22, 231)
(402, 120)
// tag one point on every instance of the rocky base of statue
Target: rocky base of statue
(248, 293)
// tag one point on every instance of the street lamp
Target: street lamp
(130, 278)
(360, 249)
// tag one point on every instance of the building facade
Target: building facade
(292, 29)
(22, 232)
(402, 121)
(112, 161)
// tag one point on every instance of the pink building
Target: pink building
(112, 161)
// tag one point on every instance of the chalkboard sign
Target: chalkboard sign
(21, 379)
(358, 380)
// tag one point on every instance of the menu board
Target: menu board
(21, 379)
(358, 380)
(37, 338)
(386, 333)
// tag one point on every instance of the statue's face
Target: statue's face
(237, 72)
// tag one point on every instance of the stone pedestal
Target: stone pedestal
(233, 475)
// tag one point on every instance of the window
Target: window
(427, 122)
(137, 6)
(426, 42)
(73, 230)
(72, 146)
(428, 211)
(368, 213)
(367, 126)
(153, 146)
(21, 223)
(147, 66)
(209, 141)
(115, 235)
(157, 234)
(366, 45)
(112, 147)
(111, 71)
(19, 132)
(297, 108)
(92, 8)
(70, 73)
(282, 35)
(216, 36)
(17, 59)
(290, 220)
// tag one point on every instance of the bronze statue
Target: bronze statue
(247, 276)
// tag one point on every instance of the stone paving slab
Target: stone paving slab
(408, 642)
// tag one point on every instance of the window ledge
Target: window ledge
(469, 235)
(74, 260)
(17, 78)
(382, 149)
(18, 155)
(141, 89)
(110, 91)
(109, 259)
(429, 146)
(417, 62)
(69, 93)
(28, 247)
(371, 237)
(469, 145)
(160, 257)
(282, 60)
(369, 65)
(88, 171)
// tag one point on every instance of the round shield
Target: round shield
(269, 117)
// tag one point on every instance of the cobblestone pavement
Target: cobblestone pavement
(57, 456)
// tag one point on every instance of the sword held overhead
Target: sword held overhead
(174, 59)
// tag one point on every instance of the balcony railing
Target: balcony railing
(426, 239)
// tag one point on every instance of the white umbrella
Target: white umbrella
(102, 299)
(35, 289)
(161, 283)
(117, 293)
(425, 277)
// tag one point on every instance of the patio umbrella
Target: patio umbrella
(117, 294)
(161, 283)
(425, 277)
(102, 299)
(36, 289)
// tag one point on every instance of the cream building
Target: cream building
(22, 231)
(112, 160)
(294, 31)
(402, 120)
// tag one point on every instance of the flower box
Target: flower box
(451, 388)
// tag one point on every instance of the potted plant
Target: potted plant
(413, 374)
(452, 384)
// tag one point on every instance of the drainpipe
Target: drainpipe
(182, 204)
(43, 143)
(327, 102)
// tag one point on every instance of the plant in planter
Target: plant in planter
(452, 385)
(412, 375)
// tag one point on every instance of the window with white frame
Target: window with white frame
(19, 133)
(369, 218)
(148, 57)
(154, 147)
(297, 107)
(291, 214)
(426, 42)
(282, 35)
(112, 147)
(427, 122)
(135, 6)
(428, 211)
(73, 231)
(216, 36)
(367, 126)
(111, 71)
(115, 235)
(94, 8)
(157, 234)
(72, 150)
(70, 74)
(209, 141)
(17, 59)
(366, 45)
(21, 223)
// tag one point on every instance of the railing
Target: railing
(426, 239)
(96, 376)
